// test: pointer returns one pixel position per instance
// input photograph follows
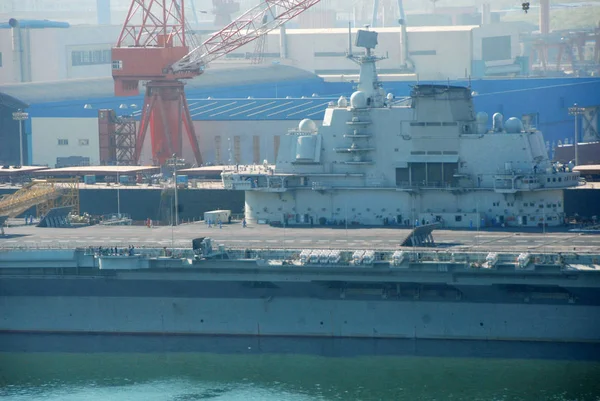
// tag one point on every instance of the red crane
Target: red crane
(153, 48)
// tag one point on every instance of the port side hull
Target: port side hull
(303, 317)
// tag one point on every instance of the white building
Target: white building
(52, 54)
(438, 53)
(446, 52)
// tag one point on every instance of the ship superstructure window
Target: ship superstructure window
(530, 120)
(90, 57)
(431, 174)
(63, 142)
(0, 59)
(84, 142)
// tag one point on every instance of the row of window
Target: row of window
(90, 57)
(81, 142)
(528, 204)
(249, 55)
(567, 178)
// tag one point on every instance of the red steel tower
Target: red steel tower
(152, 47)
(153, 37)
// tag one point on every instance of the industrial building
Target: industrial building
(65, 118)
(238, 116)
(61, 75)
(47, 51)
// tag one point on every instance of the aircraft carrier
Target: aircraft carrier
(412, 275)
(301, 282)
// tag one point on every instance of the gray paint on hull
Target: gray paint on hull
(301, 317)
(322, 346)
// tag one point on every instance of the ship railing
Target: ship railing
(345, 257)
(80, 245)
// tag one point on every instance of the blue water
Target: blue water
(70, 374)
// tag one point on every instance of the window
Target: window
(62, 142)
(0, 59)
(84, 142)
(530, 120)
(90, 57)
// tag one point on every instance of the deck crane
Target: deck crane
(153, 48)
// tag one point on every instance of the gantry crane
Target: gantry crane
(153, 47)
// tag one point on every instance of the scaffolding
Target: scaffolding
(260, 49)
(117, 136)
(42, 194)
(124, 140)
(68, 189)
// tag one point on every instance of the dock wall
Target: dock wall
(155, 203)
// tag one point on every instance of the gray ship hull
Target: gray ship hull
(294, 306)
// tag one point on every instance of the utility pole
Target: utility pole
(175, 182)
(543, 226)
(576, 111)
(20, 116)
(118, 193)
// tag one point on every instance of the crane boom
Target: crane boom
(154, 47)
(263, 18)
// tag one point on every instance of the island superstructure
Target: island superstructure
(378, 160)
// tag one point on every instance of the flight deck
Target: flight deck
(263, 236)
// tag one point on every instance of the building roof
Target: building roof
(12, 171)
(259, 109)
(36, 24)
(100, 170)
(409, 29)
(592, 168)
(11, 102)
(55, 91)
(204, 169)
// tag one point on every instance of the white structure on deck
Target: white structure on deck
(376, 160)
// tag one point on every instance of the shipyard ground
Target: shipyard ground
(262, 236)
